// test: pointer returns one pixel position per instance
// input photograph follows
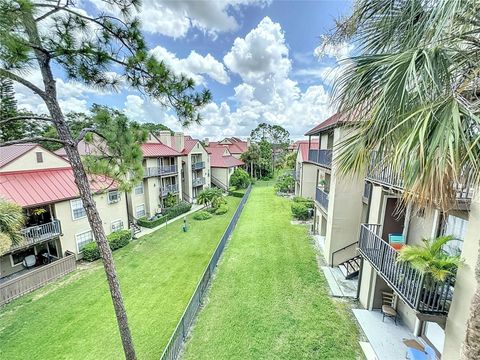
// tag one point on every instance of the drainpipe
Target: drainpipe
(359, 284)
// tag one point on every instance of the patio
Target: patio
(386, 338)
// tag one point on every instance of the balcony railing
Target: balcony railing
(198, 165)
(381, 171)
(419, 291)
(321, 157)
(296, 175)
(169, 189)
(322, 198)
(36, 234)
(198, 181)
(160, 170)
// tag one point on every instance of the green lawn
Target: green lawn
(74, 319)
(268, 300)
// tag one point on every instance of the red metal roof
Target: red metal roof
(12, 152)
(332, 121)
(220, 160)
(37, 187)
(303, 147)
(158, 150)
(236, 146)
(97, 147)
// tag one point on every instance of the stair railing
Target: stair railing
(337, 251)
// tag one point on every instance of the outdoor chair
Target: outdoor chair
(388, 306)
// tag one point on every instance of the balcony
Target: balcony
(198, 165)
(321, 157)
(418, 291)
(39, 233)
(160, 170)
(172, 188)
(382, 172)
(199, 181)
(322, 198)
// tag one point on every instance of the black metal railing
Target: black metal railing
(160, 170)
(198, 165)
(198, 181)
(175, 344)
(172, 188)
(417, 289)
(321, 157)
(322, 198)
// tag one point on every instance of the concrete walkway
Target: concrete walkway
(339, 286)
(146, 231)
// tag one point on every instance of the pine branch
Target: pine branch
(20, 80)
(84, 133)
(33, 139)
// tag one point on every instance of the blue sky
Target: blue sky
(256, 56)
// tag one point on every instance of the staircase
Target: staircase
(350, 268)
(218, 183)
(135, 229)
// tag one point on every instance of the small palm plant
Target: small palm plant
(211, 197)
(431, 259)
(12, 220)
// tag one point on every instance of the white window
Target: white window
(140, 211)
(78, 211)
(456, 227)
(83, 239)
(139, 189)
(113, 196)
(117, 225)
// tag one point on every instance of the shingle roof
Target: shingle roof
(331, 122)
(220, 160)
(158, 149)
(12, 152)
(37, 187)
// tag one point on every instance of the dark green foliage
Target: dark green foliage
(168, 214)
(307, 202)
(170, 200)
(155, 127)
(116, 240)
(240, 179)
(285, 183)
(300, 211)
(237, 194)
(222, 209)
(211, 197)
(202, 215)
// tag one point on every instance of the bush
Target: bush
(240, 179)
(202, 215)
(237, 194)
(116, 240)
(307, 202)
(222, 209)
(300, 211)
(285, 183)
(151, 223)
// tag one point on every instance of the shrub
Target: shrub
(237, 194)
(212, 197)
(240, 179)
(285, 183)
(300, 211)
(202, 215)
(151, 223)
(90, 252)
(178, 209)
(307, 202)
(116, 240)
(222, 209)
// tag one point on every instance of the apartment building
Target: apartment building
(56, 223)
(363, 224)
(235, 145)
(338, 200)
(222, 164)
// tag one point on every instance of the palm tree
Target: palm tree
(431, 259)
(12, 220)
(411, 93)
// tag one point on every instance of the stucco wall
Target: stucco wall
(28, 161)
(308, 180)
(187, 162)
(222, 174)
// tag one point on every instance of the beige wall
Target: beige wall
(187, 162)
(308, 180)
(465, 285)
(222, 174)
(108, 214)
(28, 161)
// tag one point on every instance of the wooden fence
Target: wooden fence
(36, 278)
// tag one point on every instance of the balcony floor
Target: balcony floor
(385, 338)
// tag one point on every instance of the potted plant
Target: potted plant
(433, 262)
(322, 183)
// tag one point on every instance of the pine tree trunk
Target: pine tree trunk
(81, 180)
(471, 344)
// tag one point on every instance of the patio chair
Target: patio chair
(397, 241)
(388, 306)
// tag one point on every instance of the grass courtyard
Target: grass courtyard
(74, 319)
(268, 299)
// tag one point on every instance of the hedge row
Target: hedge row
(116, 240)
(237, 194)
(169, 213)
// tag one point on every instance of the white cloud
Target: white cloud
(194, 66)
(327, 74)
(337, 51)
(176, 18)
